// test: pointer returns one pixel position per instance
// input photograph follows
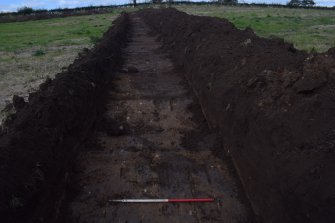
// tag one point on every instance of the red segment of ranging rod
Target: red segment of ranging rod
(191, 200)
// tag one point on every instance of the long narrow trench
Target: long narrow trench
(162, 150)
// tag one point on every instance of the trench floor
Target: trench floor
(162, 150)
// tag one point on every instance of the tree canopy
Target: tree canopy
(301, 3)
(25, 10)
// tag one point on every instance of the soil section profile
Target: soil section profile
(273, 104)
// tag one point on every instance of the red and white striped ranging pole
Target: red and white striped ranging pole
(175, 200)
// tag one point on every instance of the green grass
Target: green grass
(59, 31)
(33, 50)
(307, 29)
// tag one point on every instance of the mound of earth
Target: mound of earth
(38, 143)
(273, 104)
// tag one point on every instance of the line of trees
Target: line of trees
(229, 2)
(25, 10)
(304, 3)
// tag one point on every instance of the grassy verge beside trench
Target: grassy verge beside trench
(33, 50)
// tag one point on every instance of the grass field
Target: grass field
(30, 51)
(80, 30)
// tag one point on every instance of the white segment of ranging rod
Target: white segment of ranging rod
(140, 200)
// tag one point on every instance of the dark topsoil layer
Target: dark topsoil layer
(273, 104)
(39, 142)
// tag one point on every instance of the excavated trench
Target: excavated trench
(129, 123)
(163, 149)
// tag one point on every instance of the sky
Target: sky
(13, 5)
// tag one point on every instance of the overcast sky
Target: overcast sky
(12, 5)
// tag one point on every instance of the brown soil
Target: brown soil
(161, 151)
(273, 104)
(268, 106)
(39, 142)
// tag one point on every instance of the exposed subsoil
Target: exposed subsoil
(161, 148)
